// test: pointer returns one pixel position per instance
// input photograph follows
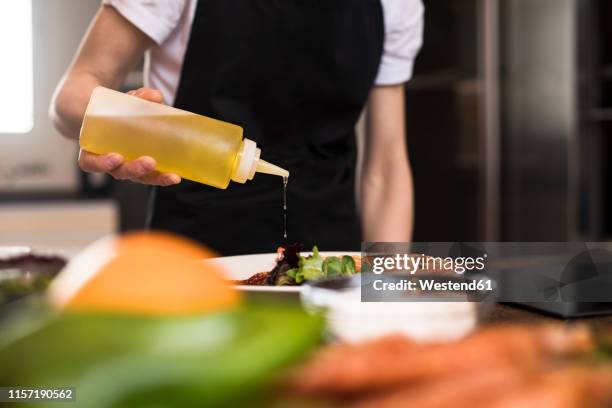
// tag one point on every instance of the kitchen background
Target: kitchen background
(509, 126)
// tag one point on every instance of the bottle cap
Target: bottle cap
(249, 163)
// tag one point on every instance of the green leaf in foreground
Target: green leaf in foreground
(218, 360)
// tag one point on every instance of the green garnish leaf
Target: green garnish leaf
(332, 267)
(313, 261)
(314, 267)
(348, 265)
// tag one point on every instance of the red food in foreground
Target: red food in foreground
(508, 366)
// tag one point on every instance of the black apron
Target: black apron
(295, 74)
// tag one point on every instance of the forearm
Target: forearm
(386, 184)
(70, 102)
(111, 48)
(387, 203)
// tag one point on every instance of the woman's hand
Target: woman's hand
(141, 170)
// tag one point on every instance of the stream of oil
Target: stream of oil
(285, 182)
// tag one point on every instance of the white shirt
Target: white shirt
(168, 24)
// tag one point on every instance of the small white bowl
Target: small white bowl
(425, 317)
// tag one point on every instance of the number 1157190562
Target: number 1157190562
(14, 394)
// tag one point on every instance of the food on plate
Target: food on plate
(566, 387)
(468, 391)
(503, 366)
(388, 362)
(259, 279)
(144, 273)
(27, 274)
(571, 387)
(292, 268)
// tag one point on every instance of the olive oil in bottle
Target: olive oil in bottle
(195, 147)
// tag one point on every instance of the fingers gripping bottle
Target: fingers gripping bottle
(195, 147)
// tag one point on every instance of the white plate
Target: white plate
(7, 252)
(242, 267)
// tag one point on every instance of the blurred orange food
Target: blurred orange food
(148, 273)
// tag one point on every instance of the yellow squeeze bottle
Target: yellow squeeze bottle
(195, 147)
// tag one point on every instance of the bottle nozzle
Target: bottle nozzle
(249, 163)
(269, 168)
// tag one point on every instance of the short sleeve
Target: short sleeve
(156, 18)
(404, 20)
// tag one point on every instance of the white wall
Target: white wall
(41, 160)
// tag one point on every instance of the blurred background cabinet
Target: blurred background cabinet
(509, 118)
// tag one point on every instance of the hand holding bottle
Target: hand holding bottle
(140, 170)
(182, 143)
